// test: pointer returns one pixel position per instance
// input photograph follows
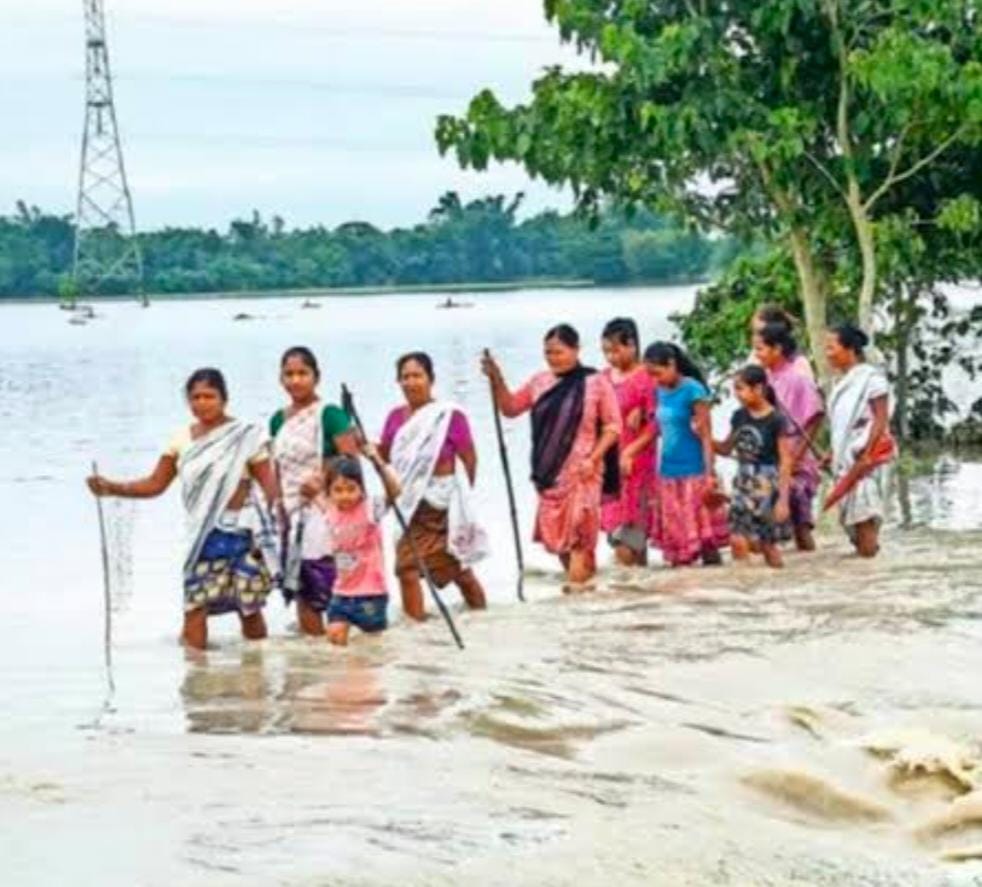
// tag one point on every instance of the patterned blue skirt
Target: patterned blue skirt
(230, 576)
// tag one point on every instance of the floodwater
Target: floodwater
(819, 725)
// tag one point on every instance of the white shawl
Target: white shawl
(414, 456)
(851, 421)
(211, 470)
(850, 413)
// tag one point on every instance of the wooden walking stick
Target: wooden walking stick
(107, 636)
(509, 486)
(348, 405)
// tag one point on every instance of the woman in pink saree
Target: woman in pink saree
(575, 422)
(799, 400)
(626, 512)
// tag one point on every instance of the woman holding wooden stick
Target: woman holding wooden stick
(429, 444)
(218, 459)
(575, 421)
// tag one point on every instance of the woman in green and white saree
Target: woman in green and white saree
(219, 461)
(305, 436)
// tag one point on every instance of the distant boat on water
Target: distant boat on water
(450, 303)
(81, 314)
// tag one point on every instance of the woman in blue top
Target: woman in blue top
(687, 524)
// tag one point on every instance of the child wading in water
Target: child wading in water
(360, 596)
(760, 443)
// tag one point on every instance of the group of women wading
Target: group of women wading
(627, 452)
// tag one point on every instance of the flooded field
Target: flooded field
(818, 725)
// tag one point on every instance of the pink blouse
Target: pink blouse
(356, 541)
(459, 438)
(600, 409)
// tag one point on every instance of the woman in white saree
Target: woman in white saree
(428, 443)
(218, 459)
(306, 434)
(859, 415)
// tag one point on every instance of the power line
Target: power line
(330, 32)
(335, 32)
(393, 90)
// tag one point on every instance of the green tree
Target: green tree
(791, 120)
(460, 242)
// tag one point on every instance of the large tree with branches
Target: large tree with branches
(791, 121)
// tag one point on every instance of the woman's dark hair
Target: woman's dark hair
(305, 356)
(756, 377)
(777, 335)
(347, 467)
(207, 376)
(664, 353)
(420, 357)
(565, 333)
(622, 330)
(775, 314)
(851, 337)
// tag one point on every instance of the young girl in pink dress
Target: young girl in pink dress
(361, 596)
(575, 421)
(626, 511)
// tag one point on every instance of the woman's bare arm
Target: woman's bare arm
(347, 443)
(390, 480)
(702, 425)
(145, 488)
(807, 440)
(641, 442)
(723, 447)
(469, 459)
(881, 424)
(503, 396)
(262, 472)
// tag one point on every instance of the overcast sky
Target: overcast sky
(319, 110)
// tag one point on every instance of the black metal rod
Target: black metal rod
(348, 405)
(510, 487)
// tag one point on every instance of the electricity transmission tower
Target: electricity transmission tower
(106, 248)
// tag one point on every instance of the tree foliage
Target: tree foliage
(791, 121)
(483, 241)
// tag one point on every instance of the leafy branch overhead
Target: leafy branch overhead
(789, 121)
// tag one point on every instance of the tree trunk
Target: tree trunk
(813, 297)
(865, 238)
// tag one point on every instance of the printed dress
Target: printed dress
(626, 516)
(756, 487)
(301, 442)
(683, 526)
(568, 516)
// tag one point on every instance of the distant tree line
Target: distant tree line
(483, 241)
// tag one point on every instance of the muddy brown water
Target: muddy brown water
(817, 725)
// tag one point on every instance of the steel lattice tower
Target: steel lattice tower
(105, 242)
